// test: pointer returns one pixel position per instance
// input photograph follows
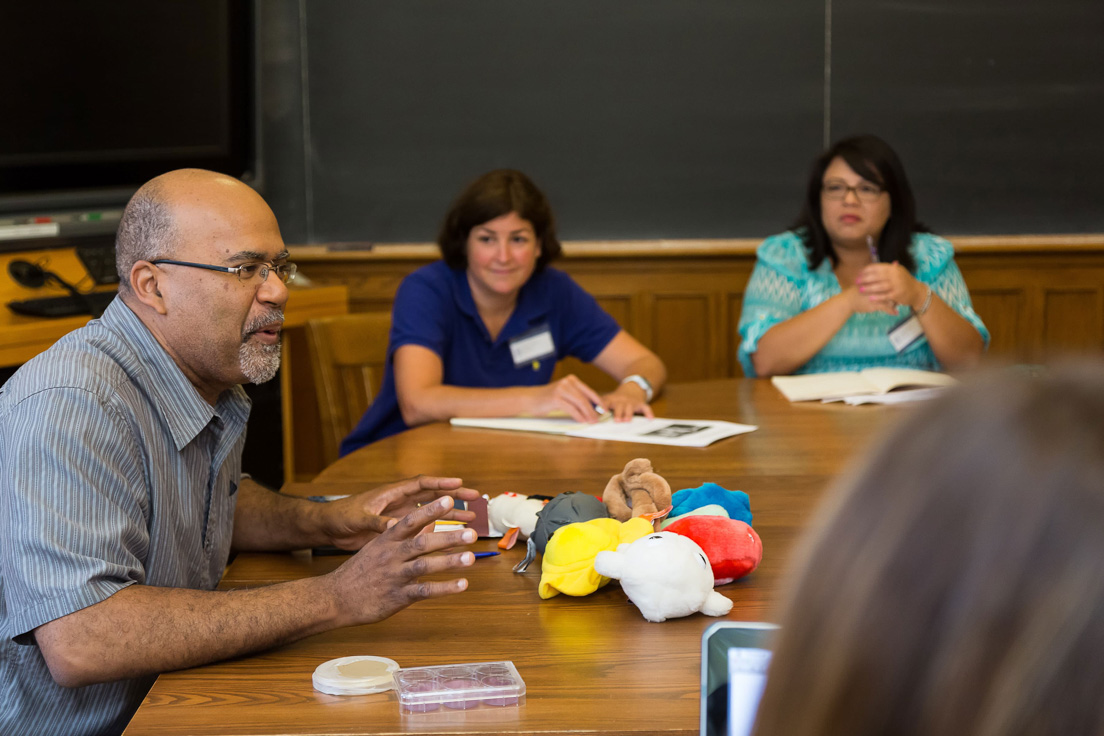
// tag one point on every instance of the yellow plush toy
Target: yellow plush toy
(568, 564)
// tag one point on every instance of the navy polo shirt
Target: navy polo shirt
(434, 308)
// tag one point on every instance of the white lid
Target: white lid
(358, 675)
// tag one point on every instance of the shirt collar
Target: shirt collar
(185, 412)
(530, 309)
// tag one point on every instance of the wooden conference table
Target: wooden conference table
(591, 664)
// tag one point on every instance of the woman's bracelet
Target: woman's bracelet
(927, 303)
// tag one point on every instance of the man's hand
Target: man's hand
(352, 522)
(383, 577)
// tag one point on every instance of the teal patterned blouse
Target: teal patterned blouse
(782, 286)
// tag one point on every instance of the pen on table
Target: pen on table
(873, 249)
(481, 555)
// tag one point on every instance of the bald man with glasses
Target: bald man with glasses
(121, 491)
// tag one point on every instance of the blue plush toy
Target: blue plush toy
(735, 503)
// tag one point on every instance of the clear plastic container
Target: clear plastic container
(459, 687)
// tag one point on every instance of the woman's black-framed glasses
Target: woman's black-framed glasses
(245, 272)
(865, 191)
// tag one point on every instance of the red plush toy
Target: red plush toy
(733, 547)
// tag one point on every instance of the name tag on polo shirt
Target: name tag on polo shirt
(905, 333)
(536, 344)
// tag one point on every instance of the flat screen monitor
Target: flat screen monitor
(100, 97)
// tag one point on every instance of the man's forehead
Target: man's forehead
(217, 231)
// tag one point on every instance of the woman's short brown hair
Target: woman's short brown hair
(492, 195)
(956, 584)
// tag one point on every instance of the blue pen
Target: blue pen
(480, 555)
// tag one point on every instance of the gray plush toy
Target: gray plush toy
(564, 509)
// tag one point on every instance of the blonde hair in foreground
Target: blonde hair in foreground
(955, 584)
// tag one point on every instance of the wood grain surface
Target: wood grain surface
(591, 664)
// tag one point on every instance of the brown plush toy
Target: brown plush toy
(636, 491)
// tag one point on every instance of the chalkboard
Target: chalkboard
(995, 106)
(650, 119)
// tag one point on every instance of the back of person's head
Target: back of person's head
(871, 158)
(955, 585)
(493, 195)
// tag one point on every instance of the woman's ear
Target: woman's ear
(144, 283)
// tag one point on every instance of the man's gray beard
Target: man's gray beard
(259, 361)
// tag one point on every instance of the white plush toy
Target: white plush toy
(513, 511)
(666, 575)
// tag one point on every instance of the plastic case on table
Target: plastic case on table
(459, 687)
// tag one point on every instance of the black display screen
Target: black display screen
(108, 95)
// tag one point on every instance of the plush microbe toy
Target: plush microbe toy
(732, 547)
(665, 575)
(736, 503)
(564, 509)
(508, 511)
(635, 491)
(568, 563)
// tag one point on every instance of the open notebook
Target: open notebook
(680, 432)
(857, 383)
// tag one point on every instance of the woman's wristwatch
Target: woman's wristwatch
(642, 382)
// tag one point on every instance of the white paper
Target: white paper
(548, 425)
(676, 432)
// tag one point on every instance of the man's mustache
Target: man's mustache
(261, 321)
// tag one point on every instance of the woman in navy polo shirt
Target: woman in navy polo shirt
(479, 333)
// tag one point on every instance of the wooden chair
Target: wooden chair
(348, 353)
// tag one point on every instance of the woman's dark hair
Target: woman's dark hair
(492, 195)
(871, 158)
(954, 585)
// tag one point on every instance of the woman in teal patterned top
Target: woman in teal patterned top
(825, 295)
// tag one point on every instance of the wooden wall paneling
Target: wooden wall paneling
(620, 307)
(372, 284)
(1006, 295)
(1038, 304)
(308, 432)
(723, 333)
(1003, 312)
(735, 305)
(683, 335)
(1073, 320)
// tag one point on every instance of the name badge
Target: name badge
(903, 334)
(532, 346)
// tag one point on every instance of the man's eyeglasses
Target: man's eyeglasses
(245, 272)
(866, 191)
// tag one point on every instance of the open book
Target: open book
(681, 432)
(857, 383)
